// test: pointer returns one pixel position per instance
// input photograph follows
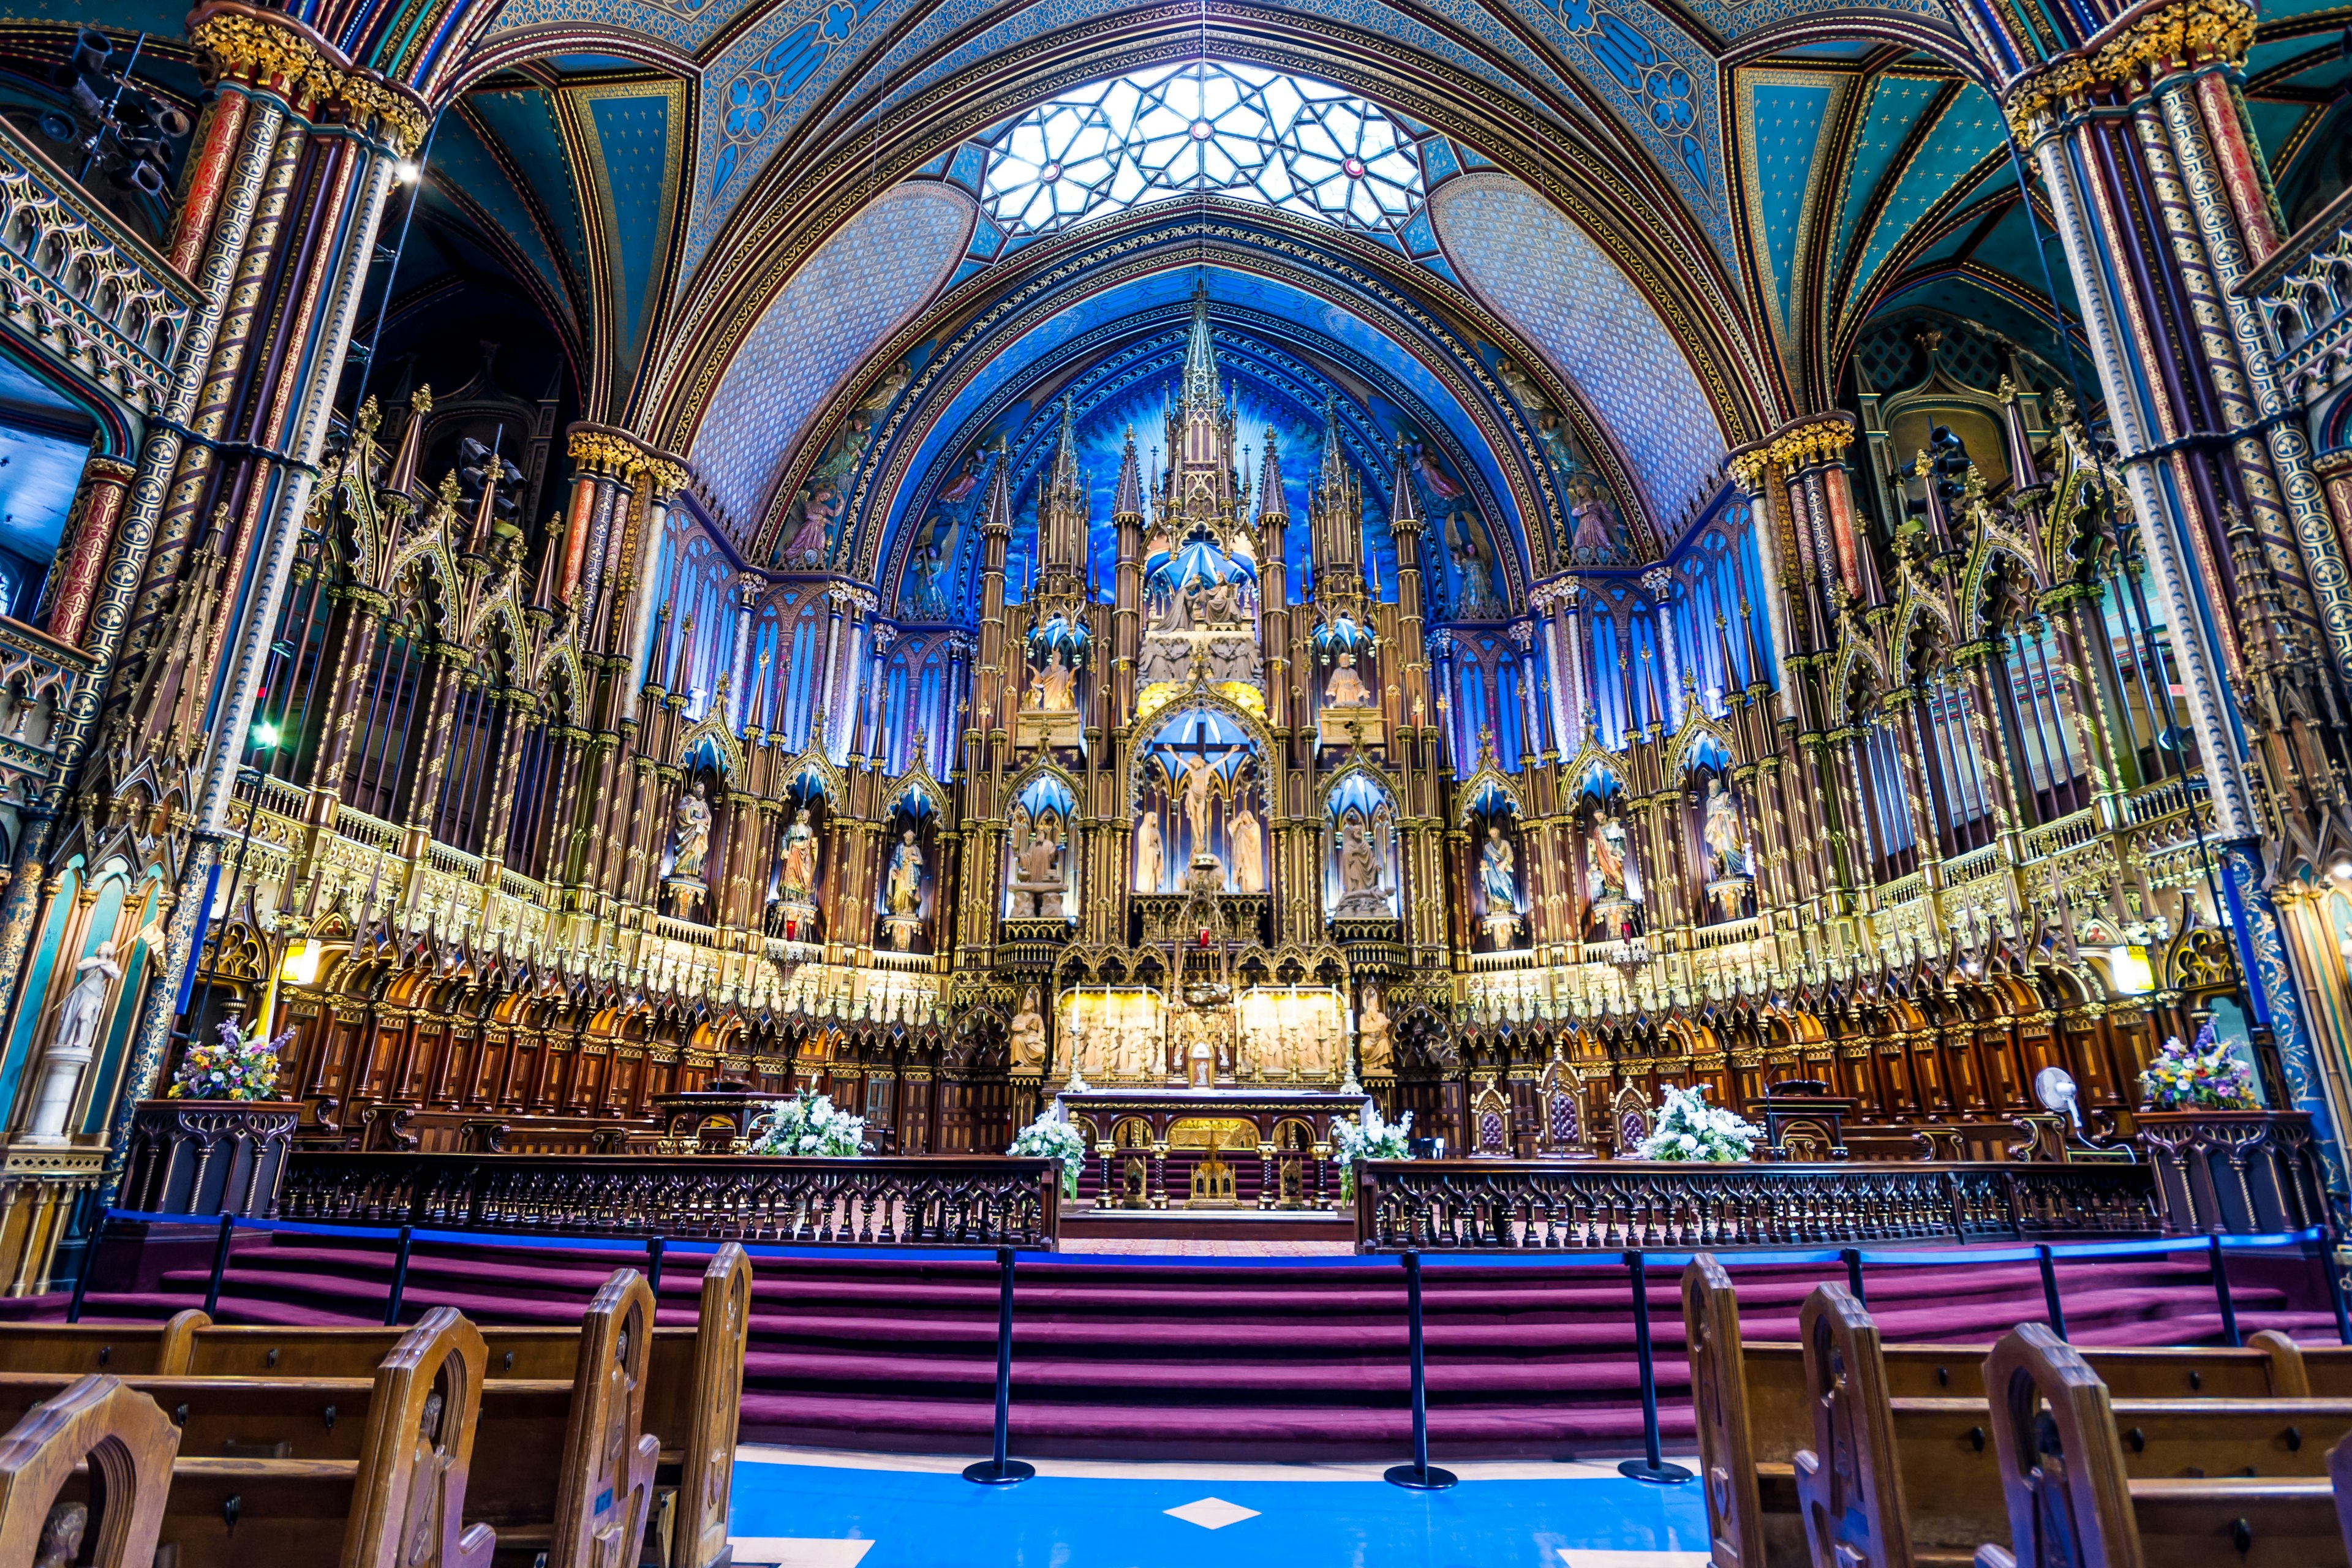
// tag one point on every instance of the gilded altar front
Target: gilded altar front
(1169, 1146)
(1268, 1036)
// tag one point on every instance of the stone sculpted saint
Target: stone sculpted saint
(800, 858)
(1150, 859)
(693, 833)
(1249, 851)
(1721, 831)
(906, 888)
(1496, 871)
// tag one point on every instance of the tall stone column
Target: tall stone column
(283, 197)
(89, 535)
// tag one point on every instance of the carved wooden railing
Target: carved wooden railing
(2233, 1170)
(1461, 1205)
(929, 1201)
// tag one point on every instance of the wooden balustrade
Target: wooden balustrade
(919, 1201)
(1459, 1205)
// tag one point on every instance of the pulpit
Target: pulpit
(1803, 1122)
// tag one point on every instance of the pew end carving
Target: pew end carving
(1848, 1483)
(600, 1514)
(128, 1444)
(420, 1450)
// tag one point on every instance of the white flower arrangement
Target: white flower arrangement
(1367, 1138)
(1689, 1128)
(807, 1126)
(1048, 1139)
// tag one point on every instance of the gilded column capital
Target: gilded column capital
(1800, 443)
(627, 457)
(272, 49)
(2144, 46)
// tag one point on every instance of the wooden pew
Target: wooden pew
(1915, 1481)
(1755, 1409)
(691, 1387)
(125, 1349)
(397, 1500)
(2070, 1503)
(95, 1425)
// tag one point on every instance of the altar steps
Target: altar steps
(1201, 1359)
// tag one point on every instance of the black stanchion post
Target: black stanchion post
(2050, 1290)
(90, 1255)
(399, 1276)
(1653, 1468)
(655, 1247)
(1418, 1476)
(999, 1471)
(1852, 1256)
(2219, 1265)
(220, 1263)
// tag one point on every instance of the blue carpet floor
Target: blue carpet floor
(825, 1516)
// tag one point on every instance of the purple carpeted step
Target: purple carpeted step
(1194, 1359)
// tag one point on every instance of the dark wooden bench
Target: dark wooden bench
(398, 1501)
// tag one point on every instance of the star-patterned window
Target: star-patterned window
(1255, 135)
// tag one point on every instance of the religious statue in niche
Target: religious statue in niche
(1199, 793)
(1610, 882)
(693, 817)
(792, 912)
(1731, 870)
(1375, 1035)
(1050, 688)
(71, 1045)
(1037, 881)
(800, 860)
(1025, 1036)
(1248, 842)
(1363, 894)
(903, 890)
(1344, 687)
(1498, 879)
(1150, 860)
(1726, 844)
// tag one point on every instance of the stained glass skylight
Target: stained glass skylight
(1238, 130)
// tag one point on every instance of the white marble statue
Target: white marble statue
(71, 1045)
(1200, 782)
(1026, 1034)
(693, 833)
(1150, 859)
(1375, 1047)
(1346, 688)
(1249, 851)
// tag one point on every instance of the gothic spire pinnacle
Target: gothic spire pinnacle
(1335, 467)
(1065, 453)
(1404, 510)
(1128, 500)
(1201, 358)
(1271, 501)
